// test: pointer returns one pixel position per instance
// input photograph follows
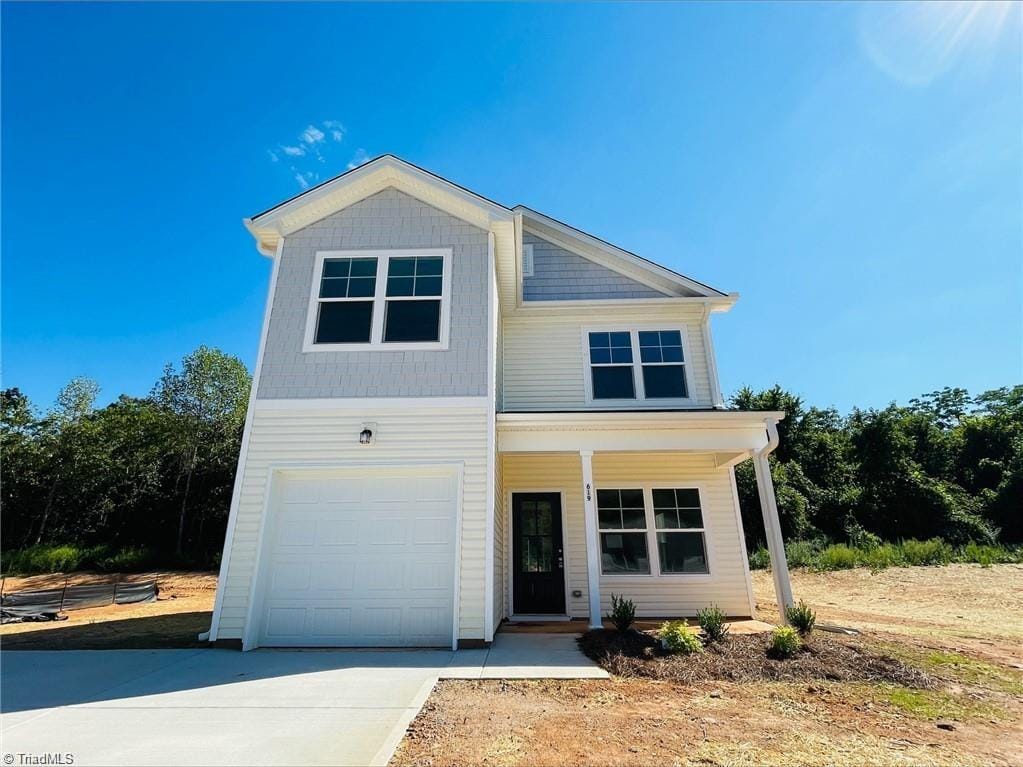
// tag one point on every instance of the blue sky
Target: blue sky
(854, 171)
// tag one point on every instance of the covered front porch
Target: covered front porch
(638, 504)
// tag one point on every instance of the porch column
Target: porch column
(592, 540)
(772, 529)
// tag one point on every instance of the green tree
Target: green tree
(208, 397)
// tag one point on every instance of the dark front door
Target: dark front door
(538, 553)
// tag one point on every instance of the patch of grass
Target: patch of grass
(879, 556)
(837, 556)
(801, 553)
(959, 668)
(67, 558)
(934, 704)
(933, 551)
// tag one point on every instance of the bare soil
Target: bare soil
(964, 608)
(958, 627)
(181, 612)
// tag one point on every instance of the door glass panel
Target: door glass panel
(543, 518)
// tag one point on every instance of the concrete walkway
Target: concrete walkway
(222, 707)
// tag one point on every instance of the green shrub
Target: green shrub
(623, 612)
(880, 557)
(859, 537)
(837, 556)
(801, 617)
(66, 558)
(801, 554)
(712, 621)
(678, 638)
(131, 559)
(785, 642)
(760, 559)
(930, 552)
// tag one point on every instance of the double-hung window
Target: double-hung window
(643, 366)
(667, 521)
(678, 520)
(623, 532)
(387, 300)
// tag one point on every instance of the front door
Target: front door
(538, 554)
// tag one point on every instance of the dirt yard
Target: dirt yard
(182, 610)
(961, 625)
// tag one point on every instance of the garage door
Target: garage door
(359, 561)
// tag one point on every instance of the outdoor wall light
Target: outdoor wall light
(366, 435)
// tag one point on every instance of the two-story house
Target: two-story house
(463, 414)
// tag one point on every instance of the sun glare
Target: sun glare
(915, 42)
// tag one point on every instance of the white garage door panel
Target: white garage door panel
(360, 562)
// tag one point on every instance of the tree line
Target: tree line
(155, 474)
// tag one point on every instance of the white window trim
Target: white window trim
(527, 260)
(651, 531)
(637, 367)
(379, 300)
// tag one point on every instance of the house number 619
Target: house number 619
(589, 495)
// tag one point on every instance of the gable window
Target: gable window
(678, 520)
(387, 300)
(636, 365)
(621, 517)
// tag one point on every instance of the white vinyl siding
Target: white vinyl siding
(544, 362)
(655, 596)
(314, 435)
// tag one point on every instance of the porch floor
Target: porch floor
(580, 626)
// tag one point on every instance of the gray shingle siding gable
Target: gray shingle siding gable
(387, 220)
(559, 275)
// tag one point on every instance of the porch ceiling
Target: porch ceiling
(734, 433)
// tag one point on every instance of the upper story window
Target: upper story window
(630, 366)
(386, 300)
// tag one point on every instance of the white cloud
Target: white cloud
(306, 179)
(293, 151)
(337, 130)
(273, 156)
(312, 135)
(359, 158)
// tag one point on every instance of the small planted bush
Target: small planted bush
(801, 617)
(930, 552)
(712, 621)
(623, 612)
(677, 637)
(785, 642)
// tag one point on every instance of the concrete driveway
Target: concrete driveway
(223, 707)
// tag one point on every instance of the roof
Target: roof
(274, 223)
